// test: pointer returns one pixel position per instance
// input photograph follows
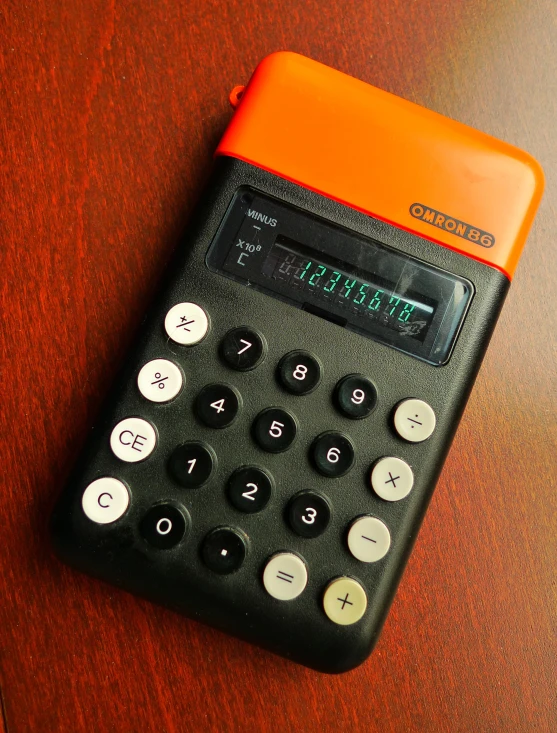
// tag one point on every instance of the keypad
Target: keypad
(307, 511)
(163, 526)
(355, 396)
(309, 514)
(249, 489)
(333, 454)
(243, 348)
(191, 464)
(274, 430)
(224, 550)
(217, 405)
(299, 372)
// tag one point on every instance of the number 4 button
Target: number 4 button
(217, 405)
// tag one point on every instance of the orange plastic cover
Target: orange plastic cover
(387, 157)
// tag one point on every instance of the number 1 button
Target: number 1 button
(243, 348)
(217, 405)
(274, 430)
(191, 464)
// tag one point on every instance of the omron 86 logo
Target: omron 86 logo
(454, 226)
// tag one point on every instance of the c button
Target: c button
(105, 500)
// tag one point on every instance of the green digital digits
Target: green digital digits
(396, 302)
(361, 294)
(348, 284)
(404, 314)
(375, 302)
(306, 268)
(317, 275)
(333, 282)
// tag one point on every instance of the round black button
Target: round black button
(274, 429)
(243, 348)
(249, 489)
(217, 405)
(309, 514)
(333, 454)
(163, 526)
(355, 396)
(299, 372)
(191, 464)
(223, 550)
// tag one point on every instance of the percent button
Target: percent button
(160, 380)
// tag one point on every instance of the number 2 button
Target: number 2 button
(217, 405)
(249, 489)
(274, 430)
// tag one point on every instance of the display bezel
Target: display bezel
(363, 257)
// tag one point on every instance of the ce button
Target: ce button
(105, 500)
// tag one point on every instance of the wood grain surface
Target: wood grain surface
(110, 112)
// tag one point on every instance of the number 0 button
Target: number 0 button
(309, 514)
(333, 454)
(274, 430)
(243, 349)
(217, 405)
(191, 464)
(163, 526)
(249, 489)
(299, 372)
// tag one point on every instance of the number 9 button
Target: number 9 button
(355, 396)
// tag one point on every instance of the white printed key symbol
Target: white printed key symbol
(247, 346)
(186, 324)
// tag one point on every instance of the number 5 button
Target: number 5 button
(274, 430)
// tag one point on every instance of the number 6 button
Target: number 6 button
(333, 454)
(274, 430)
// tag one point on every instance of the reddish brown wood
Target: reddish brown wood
(110, 112)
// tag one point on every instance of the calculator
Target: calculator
(267, 454)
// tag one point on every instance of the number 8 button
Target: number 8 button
(299, 372)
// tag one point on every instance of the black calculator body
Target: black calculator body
(265, 458)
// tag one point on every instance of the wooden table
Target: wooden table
(110, 113)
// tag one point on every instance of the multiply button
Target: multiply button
(186, 324)
(369, 539)
(133, 440)
(414, 420)
(285, 576)
(224, 550)
(392, 479)
(163, 526)
(243, 348)
(191, 464)
(159, 380)
(105, 500)
(344, 601)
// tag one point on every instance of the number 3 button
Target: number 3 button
(274, 430)
(309, 514)
(217, 405)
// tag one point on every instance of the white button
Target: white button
(414, 420)
(133, 439)
(186, 324)
(369, 539)
(285, 576)
(105, 500)
(159, 380)
(392, 479)
(345, 601)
